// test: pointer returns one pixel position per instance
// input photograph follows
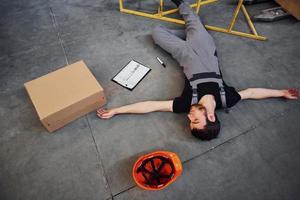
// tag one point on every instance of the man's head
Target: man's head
(203, 126)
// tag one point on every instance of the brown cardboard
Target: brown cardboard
(65, 95)
(292, 6)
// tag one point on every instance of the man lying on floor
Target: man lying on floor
(204, 91)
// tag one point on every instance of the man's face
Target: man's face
(197, 116)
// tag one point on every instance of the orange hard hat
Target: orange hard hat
(156, 170)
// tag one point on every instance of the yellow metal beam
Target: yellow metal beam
(161, 16)
(121, 5)
(250, 23)
(161, 8)
(238, 33)
(153, 16)
(235, 14)
(198, 6)
(192, 5)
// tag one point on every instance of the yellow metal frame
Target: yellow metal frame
(161, 15)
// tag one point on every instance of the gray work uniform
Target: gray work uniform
(193, 48)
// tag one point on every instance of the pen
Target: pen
(161, 62)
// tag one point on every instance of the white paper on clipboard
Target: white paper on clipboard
(131, 74)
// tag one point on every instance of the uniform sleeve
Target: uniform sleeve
(182, 103)
(232, 96)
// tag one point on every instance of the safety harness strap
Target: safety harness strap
(223, 99)
(205, 75)
(208, 77)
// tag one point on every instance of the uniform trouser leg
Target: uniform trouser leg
(170, 40)
(178, 32)
(196, 34)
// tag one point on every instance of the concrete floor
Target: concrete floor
(256, 156)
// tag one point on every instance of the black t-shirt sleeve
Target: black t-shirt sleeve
(182, 104)
(232, 96)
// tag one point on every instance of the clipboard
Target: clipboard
(131, 75)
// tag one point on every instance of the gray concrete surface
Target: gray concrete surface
(256, 155)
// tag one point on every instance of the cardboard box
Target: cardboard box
(65, 95)
(292, 6)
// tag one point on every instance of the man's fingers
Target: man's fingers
(291, 93)
(103, 116)
(293, 97)
(294, 92)
(99, 115)
(211, 117)
(100, 111)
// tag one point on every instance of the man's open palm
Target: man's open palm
(291, 93)
(105, 114)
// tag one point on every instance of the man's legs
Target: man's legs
(177, 32)
(170, 40)
(197, 35)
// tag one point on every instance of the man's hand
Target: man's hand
(291, 93)
(105, 114)
(263, 93)
(211, 117)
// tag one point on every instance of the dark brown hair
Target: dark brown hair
(210, 131)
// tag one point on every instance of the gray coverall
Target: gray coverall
(193, 48)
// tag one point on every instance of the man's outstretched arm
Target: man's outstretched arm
(263, 93)
(137, 108)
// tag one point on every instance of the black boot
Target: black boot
(177, 2)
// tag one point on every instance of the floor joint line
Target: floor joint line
(99, 158)
(230, 139)
(123, 191)
(58, 34)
